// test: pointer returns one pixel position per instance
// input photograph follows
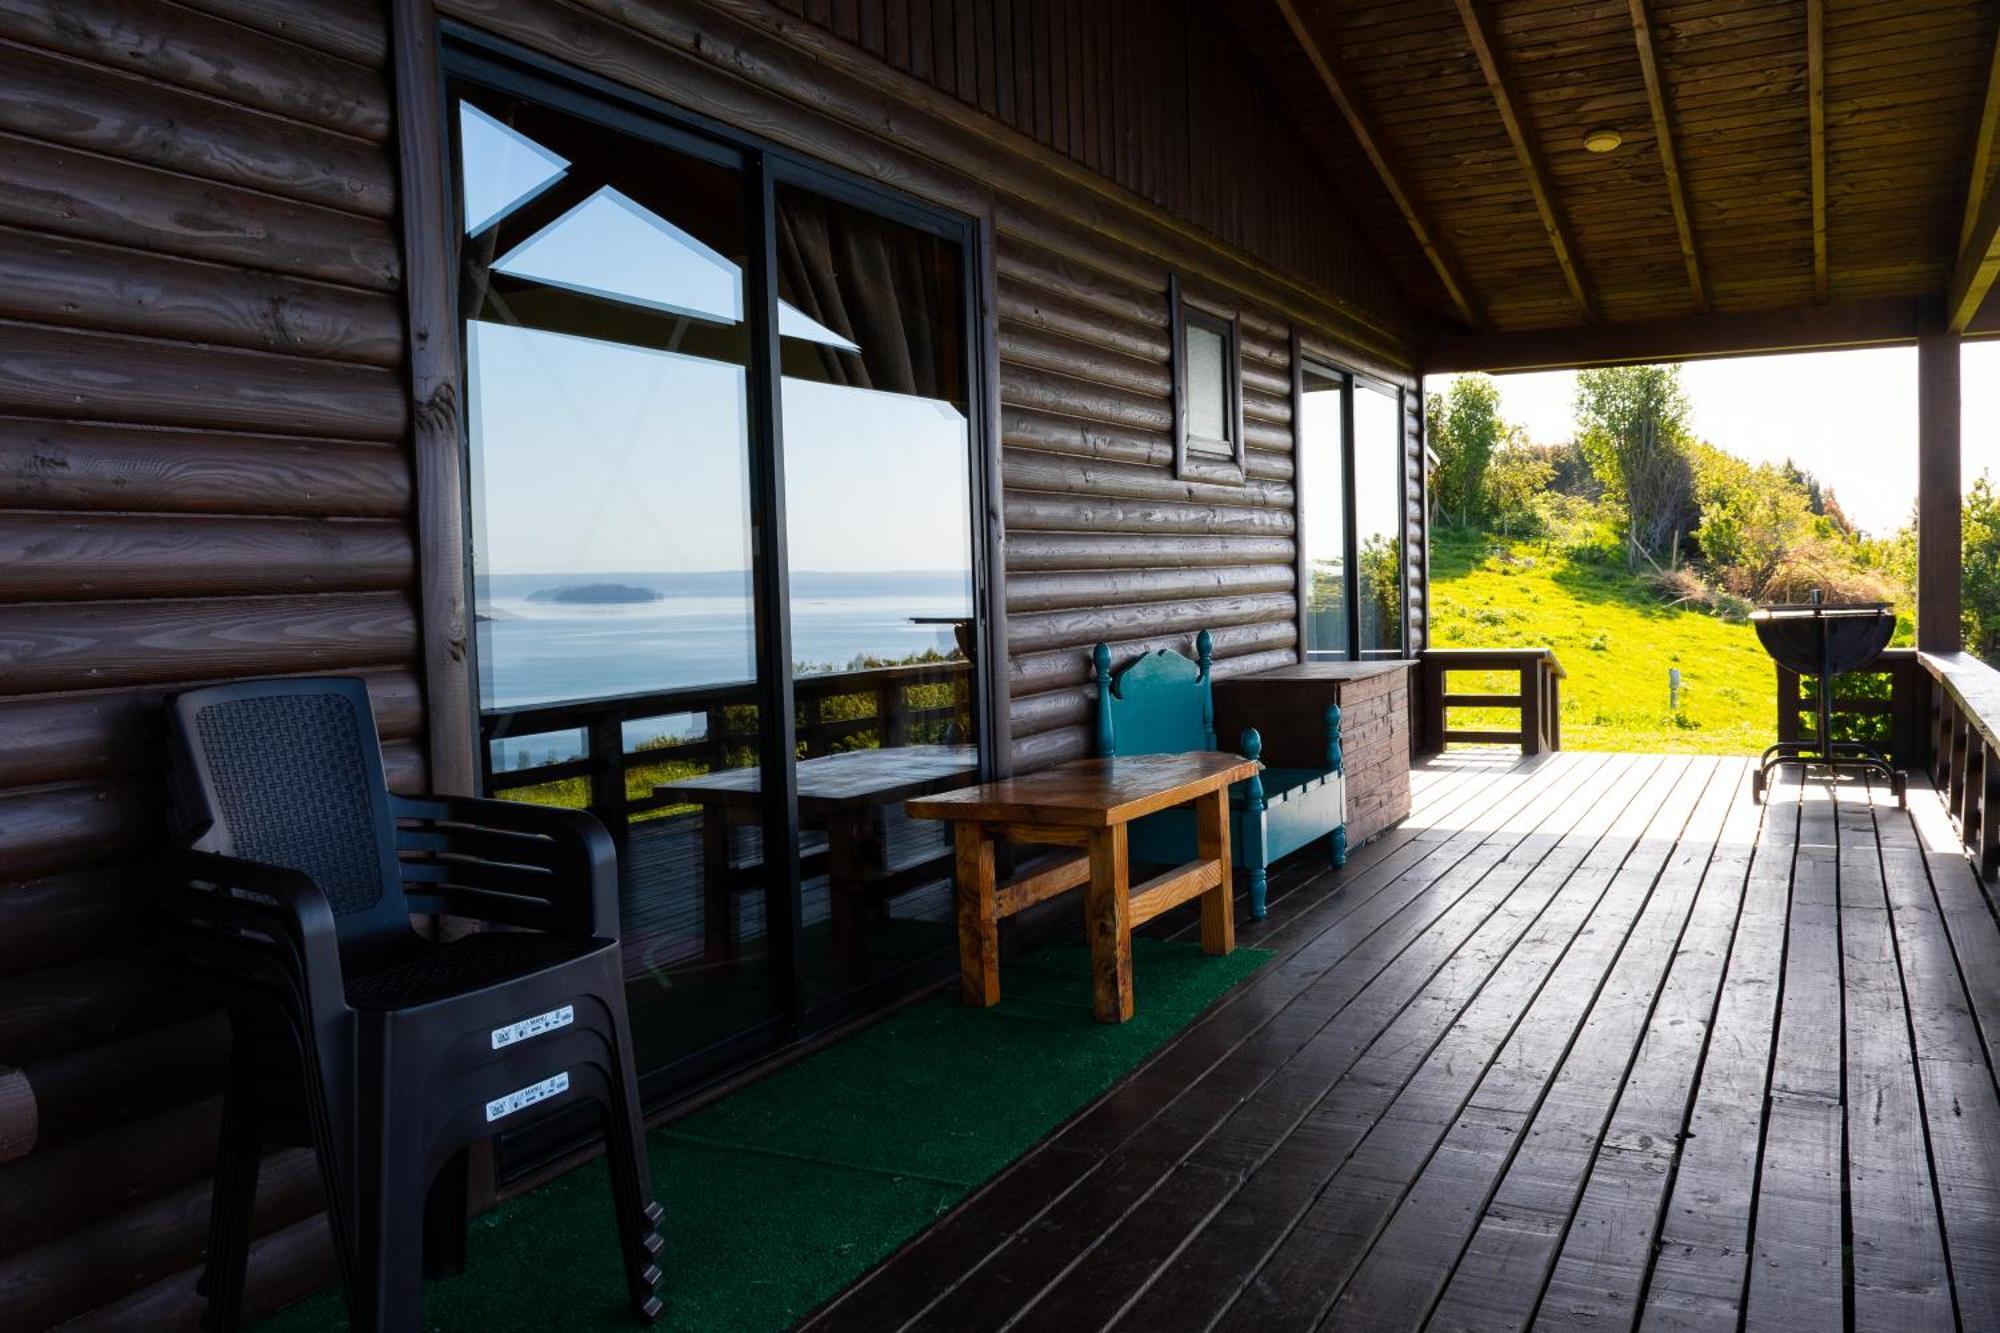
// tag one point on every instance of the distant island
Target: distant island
(597, 594)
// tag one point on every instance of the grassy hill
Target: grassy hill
(1615, 638)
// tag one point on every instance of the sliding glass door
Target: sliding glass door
(722, 480)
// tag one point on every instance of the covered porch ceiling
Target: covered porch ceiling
(1814, 173)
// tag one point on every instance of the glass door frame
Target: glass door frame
(471, 56)
(1303, 493)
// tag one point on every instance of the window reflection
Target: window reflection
(1378, 520)
(879, 540)
(1323, 510)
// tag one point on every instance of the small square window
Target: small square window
(1207, 392)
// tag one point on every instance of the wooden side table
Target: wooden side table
(1086, 805)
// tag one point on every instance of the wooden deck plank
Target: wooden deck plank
(1589, 1041)
(1500, 1276)
(1899, 1278)
(1961, 1103)
(1453, 945)
(1611, 892)
(1797, 1277)
(1317, 946)
(1512, 951)
(1700, 1262)
(1601, 1270)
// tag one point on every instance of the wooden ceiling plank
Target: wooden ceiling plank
(1982, 150)
(1488, 53)
(1342, 90)
(1663, 133)
(1816, 118)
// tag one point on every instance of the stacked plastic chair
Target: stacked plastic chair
(291, 888)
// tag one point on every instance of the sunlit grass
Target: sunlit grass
(1615, 638)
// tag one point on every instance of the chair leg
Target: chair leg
(444, 1218)
(233, 1200)
(1259, 885)
(1339, 841)
(390, 1231)
(631, 1180)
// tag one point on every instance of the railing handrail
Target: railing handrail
(530, 719)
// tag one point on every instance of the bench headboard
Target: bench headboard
(1160, 703)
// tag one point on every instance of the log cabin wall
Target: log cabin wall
(205, 467)
(202, 476)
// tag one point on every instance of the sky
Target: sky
(1849, 417)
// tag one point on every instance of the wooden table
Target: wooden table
(1087, 805)
(843, 793)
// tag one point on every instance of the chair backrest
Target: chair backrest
(1160, 703)
(289, 773)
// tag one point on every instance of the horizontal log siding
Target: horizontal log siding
(1165, 99)
(203, 475)
(204, 469)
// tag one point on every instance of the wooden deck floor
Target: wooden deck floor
(1591, 1042)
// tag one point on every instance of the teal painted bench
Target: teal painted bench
(1163, 704)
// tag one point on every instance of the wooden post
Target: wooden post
(1938, 500)
(431, 306)
(1107, 920)
(1531, 707)
(978, 922)
(1211, 839)
(1989, 817)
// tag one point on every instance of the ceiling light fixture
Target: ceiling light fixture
(1603, 141)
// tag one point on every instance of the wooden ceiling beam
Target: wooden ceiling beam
(1882, 321)
(1488, 52)
(1816, 117)
(1978, 261)
(1345, 96)
(1663, 134)
(1978, 265)
(1982, 150)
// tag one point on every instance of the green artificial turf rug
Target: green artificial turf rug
(781, 1194)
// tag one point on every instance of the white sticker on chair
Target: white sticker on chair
(534, 1027)
(528, 1096)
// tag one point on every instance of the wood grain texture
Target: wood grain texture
(1510, 1071)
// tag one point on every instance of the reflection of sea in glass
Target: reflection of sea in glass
(597, 457)
(876, 484)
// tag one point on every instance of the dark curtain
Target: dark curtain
(877, 283)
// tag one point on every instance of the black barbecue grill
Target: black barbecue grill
(1826, 642)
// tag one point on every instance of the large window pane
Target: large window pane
(1378, 520)
(879, 535)
(1322, 482)
(609, 457)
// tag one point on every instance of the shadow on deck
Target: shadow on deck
(1591, 1041)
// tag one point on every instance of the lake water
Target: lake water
(699, 632)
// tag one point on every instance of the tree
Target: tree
(1517, 486)
(1465, 429)
(1634, 430)
(1752, 517)
(1980, 569)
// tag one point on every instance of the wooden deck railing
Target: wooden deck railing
(729, 728)
(1538, 699)
(1964, 749)
(1899, 698)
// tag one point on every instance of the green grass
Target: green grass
(783, 1193)
(1615, 638)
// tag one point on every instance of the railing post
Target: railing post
(1531, 706)
(892, 719)
(607, 773)
(1432, 676)
(1989, 816)
(1788, 704)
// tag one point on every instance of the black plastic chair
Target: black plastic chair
(292, 888)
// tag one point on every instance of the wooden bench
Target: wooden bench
(1162, 703)
(1965, 749)
(1539, 699)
